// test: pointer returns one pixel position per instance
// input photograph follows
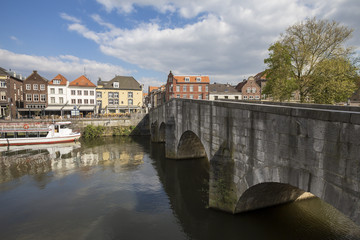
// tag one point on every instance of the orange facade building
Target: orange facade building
(190, 87)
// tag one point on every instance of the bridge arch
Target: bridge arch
(269, 194)
(190, 146)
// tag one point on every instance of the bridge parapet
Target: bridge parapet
(261, 155)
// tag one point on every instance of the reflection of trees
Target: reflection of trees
(118, 154)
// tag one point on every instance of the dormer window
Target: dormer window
(187, 79)
(56, 81)
(116, 84)
(198, 79)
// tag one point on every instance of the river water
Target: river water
(124, 188)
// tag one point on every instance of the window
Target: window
(178, 96)
(52, 90)
(111, 101)
(28, 97)
(36, 97)
(248, 90)
(257, 97)
(79, 92)
(187, 79)
(206, 88)
(216, 97)
(130, 95)
(251, 97)
(200, 96)
(116, 95)
(61, 100)
(3, 96)
(79, 101)
(200, 88)
(198, 79)
(86, 101)
(110, 95)
(98, 94)
(184, 88)
(178, 88)
(86, 92)
(184, 96)
(237, 97)
(191, 96)
(116, 84)
(28, 86)
(36, 87)
(73, 101)
(91, 101)
(116, 101)
(91, 93)
(245, 97)
(3, 84)
(61, 91)
(226, 97)
(42, 86)
(73, 92)
(130, 102)
(14, 85)
(191, 88)
(253, 90)
(98, 102)
(42, 97)
(56, 81)
(52, 100)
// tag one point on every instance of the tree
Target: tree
(305, 60)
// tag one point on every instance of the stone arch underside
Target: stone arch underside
(162, 132)
(190, 146)
(269, 194)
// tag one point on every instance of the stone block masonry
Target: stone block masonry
(266, 154)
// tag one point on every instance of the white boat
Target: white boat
(36, 133)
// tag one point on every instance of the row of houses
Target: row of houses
(199, 87)
(36, 96)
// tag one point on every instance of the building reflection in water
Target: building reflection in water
(63, 159)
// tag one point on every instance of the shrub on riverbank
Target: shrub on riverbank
(92, 131)
(125, 131)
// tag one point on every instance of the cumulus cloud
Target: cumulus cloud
(69, 66)
(223, 39)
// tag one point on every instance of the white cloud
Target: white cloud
(226, 39)
(69, 66)
(70, 18)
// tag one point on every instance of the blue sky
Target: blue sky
(227, 40)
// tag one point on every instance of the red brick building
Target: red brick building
(190, 87)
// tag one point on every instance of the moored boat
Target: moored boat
(36, 133)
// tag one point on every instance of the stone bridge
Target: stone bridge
(262, 155)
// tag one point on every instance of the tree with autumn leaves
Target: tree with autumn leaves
(311, 58)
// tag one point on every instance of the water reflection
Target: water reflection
(125, 188)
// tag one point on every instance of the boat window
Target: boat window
(9, 135)
(64, 126)
(21, 134)
(43, 134)
(33, 134)
(56, 128)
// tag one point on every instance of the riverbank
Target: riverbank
(135, 124)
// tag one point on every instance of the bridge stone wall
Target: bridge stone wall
(262, 155)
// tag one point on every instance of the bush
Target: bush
(92, 131)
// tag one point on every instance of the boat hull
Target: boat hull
(37, 140)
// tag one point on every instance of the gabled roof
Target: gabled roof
(35, 76)
(60, 77)
(125, 83)
(82, 81)
(219, 88)
(181, 79)
(3, 72)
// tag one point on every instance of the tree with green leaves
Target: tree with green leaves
(311, 58)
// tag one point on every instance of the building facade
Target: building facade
(58, 103)
(35, 89)
(122, 94)
(11, 93)
(81, 96)
(250, 89)
(223, 91)
(191, 87)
